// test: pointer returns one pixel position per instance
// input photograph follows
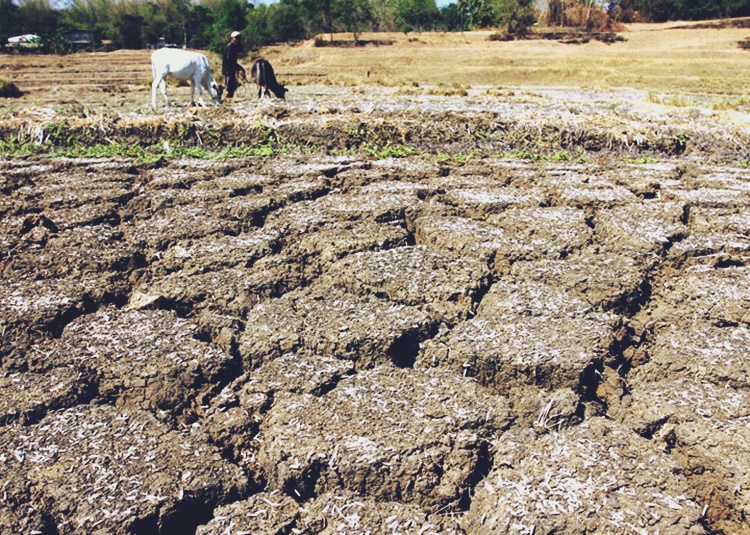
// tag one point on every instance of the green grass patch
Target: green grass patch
(389, 150)
(375, 149)
(559, 156)
(642, 160)
(167, 150)
(114, 150)
(15, 147)
(174, 148)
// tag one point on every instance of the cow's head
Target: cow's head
(280, 91)
(215, 91)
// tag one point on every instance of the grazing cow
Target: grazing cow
(183, 65)
(262, 74)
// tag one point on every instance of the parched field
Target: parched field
(450, 285)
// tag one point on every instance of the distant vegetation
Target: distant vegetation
(206, 25)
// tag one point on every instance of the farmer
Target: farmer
(229, 65)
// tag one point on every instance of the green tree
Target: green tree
(229, 16)
(94, 15)
(354, 16)
(516, 16)
(284, 22)
(320, 16)
(416, 14)
(664, 10)
(154, 24)
(383, 15)
(165, 18)
(482, 13)
(519, 16)
(9, 20)
(130, 30)
(38, 16)
(451, 18)
(257, 32)
(199, 27)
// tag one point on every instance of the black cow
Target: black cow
(262, 74)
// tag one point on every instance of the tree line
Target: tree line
(207, 23)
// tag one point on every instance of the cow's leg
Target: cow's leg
(192, 92)
(162, 85)
(158, 83)
(197, 82)
(154, 86)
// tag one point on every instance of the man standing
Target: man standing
(229, 65)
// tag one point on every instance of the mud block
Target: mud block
(605, 280)
(228, 290)
(483, 200)
(724, 220)
(462, 235)
(267, 512)
(340, 238)
(217, 252)
(705, 428)
(553, 232)
(32, 310)
(649, 226)
(717, 355)
(243, 214)
(148, 359)
(104, 469)
(233, 417)
(449, 287)
(307, 216)
(27, 397)
(518, 234)
(387, 434)
(504, 352)
(334, 323)
(173, 225)
(579, 188)
(598, 477)
(77, 252)
(710, 196)
(718, 294)
(346, 512)
(516, 297)
(703, 248)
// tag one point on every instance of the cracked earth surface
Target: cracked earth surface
(320, 344)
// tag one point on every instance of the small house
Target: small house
(24, 42)
(81, 40)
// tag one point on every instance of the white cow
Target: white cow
(183, 65)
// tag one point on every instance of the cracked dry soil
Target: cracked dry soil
(314, 344)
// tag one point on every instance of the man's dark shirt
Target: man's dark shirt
(229, 59)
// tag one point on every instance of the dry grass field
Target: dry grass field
(660, 58)
(675, 60)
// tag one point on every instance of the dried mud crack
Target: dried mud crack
(318, 343)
